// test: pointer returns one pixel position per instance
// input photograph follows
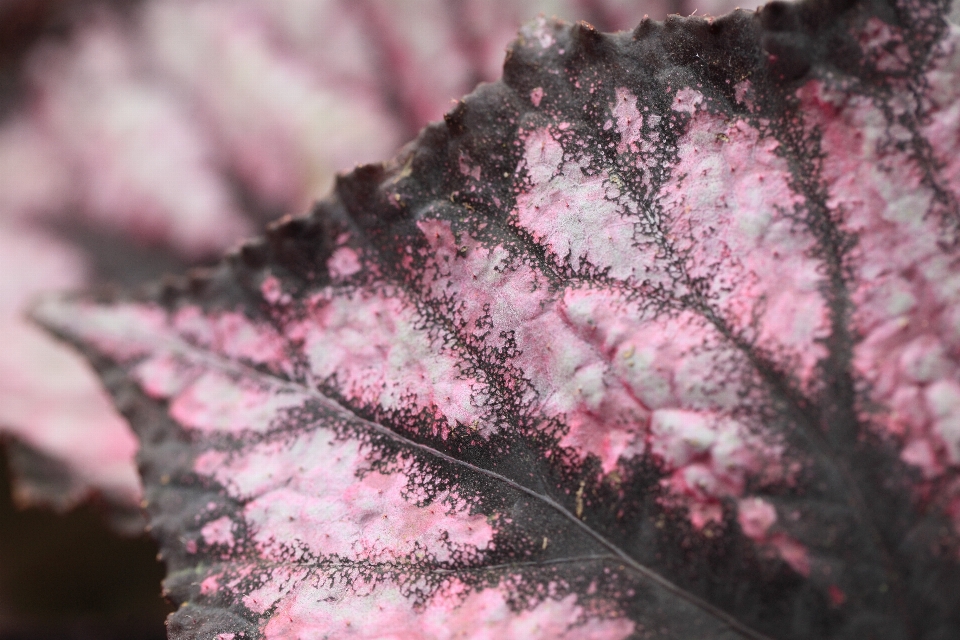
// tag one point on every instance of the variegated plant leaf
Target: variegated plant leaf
(658, 336)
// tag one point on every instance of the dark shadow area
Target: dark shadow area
(24, 23)
(70, 577)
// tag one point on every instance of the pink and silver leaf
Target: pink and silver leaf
(248, 107)
(658, 336)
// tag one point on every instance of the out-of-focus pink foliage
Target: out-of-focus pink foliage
(50, 400)
(186, 124)
(613, 349)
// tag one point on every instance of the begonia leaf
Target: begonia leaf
(657, 336)
(181, 125)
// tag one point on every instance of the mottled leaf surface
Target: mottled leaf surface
(183, 125)
(656, 337)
